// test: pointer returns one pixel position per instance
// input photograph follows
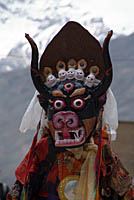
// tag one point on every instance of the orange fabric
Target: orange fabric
(41, 150)
(97, 194)
(63, 168)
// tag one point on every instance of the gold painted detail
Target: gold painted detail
(94, 70)
(57, 93)
(82, 64)
(60, 65)
(67, 187)
(71, 64)
(78, 92)
(46, 72)
(88, 97)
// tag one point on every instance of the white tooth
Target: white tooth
(77, 140)
(69, 140)
(77, 133)
(56, 136)
(81, 136)
(65, 140)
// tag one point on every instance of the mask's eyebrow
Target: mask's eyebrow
(57, 93)
(77, 92)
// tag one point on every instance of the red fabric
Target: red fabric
(31, 157)
(39, 154)
(44, 194)
(53, 174)
(104, 138)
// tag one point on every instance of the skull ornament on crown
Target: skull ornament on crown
(69, 66)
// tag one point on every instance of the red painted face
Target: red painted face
(68, 132)
(67, 128)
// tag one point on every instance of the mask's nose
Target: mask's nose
(66, 119)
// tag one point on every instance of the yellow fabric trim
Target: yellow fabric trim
(86, 186)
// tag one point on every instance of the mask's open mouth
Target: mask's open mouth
(68, 138)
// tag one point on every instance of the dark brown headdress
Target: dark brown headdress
(72, 42)
(73, 46)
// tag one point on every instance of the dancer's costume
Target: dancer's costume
(73, 159)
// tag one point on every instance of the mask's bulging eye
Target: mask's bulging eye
(59, 104)
(78, 103)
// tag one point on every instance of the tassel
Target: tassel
(97, 166)
(23, 195)
(95, 192)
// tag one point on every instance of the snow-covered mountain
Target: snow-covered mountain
(42, 20)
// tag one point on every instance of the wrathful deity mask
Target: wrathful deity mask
(72, 80)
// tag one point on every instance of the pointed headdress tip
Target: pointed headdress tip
(72, 23)
(110, 33)
(107, 39)
(26, 34)
(73, 41)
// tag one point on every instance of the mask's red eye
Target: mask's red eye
(78, 103)
(59, 104)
